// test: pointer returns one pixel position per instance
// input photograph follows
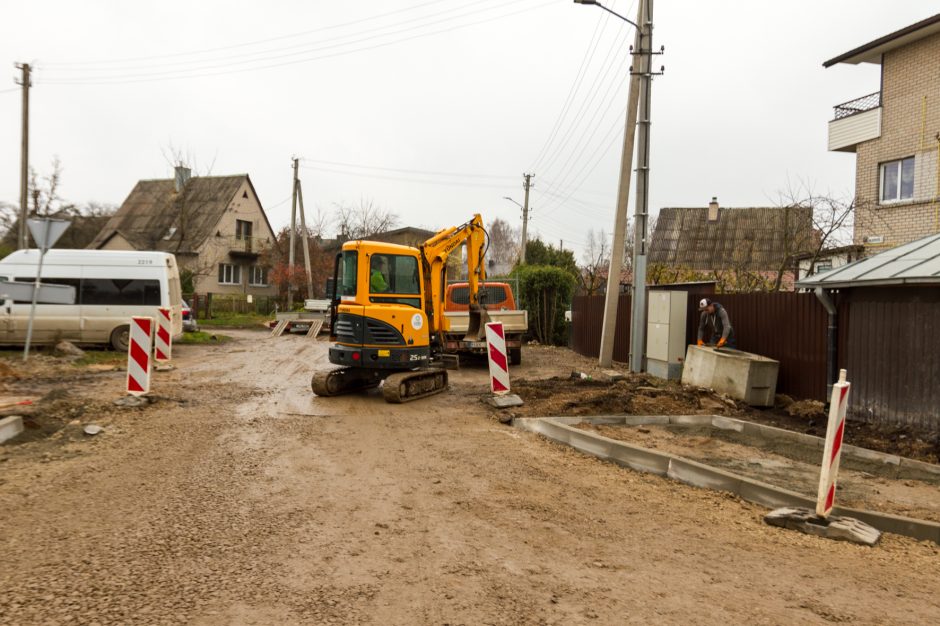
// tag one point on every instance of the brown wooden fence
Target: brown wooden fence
(788, 327)
(888, 340)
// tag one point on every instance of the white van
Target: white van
(111, 286)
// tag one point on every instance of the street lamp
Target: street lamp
(637, 107)
(513, 201)
(612, 12)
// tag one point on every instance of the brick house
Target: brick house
(215, 226)
(894, 135)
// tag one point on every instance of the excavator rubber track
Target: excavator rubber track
(337, 382)
(407, 386)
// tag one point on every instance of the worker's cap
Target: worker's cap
(703, 304)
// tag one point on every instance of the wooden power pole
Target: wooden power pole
(303, 237)
(293, 238)
(22, 237)
(527, 184)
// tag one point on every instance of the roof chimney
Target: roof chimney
(182, 177)
(713, 210)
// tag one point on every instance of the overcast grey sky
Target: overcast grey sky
(433, 109)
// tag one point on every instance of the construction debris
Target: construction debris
(835, 527)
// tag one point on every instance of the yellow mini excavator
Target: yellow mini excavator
(387, 318)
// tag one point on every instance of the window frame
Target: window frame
(898, 164)
(252, 269)
(241, 226)
(234, 275)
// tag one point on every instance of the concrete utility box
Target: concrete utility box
(665, 333)
(748, 377)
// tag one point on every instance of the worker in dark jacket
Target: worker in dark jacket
(716, 315)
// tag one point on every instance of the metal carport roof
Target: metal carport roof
(914, 263)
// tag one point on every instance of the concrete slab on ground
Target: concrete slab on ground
(835, 527)
(10, 427)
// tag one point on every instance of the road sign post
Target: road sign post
(45, 232)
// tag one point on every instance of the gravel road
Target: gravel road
(239, 498)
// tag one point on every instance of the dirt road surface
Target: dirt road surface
(239, 498)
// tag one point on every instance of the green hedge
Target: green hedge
(545, 292)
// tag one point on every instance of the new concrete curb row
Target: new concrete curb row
(700, 475)
(904, 465)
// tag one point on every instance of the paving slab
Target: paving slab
(836, 527)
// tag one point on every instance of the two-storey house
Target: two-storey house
(895, 135)
(215, 225)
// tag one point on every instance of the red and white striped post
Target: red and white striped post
(832, 452)
(138, 356)
(499, 363)
(163, 344)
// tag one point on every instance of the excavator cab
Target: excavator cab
(378, 319)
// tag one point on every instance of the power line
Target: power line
(9, 90)
(305, 45)
(601, 77)
(408, 171)
(248, 43)
(404, 179)
(575, 85)
(162, 76)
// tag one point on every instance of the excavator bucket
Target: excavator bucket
(476, 326)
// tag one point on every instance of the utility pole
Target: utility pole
(24, 157)
(641, 215)
(303, 237)
(527, 184)
(293, 236)
(612, 295)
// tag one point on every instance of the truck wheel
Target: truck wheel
(515, 356)
(121, 338)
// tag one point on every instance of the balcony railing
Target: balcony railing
(247, 245)
(859, 105)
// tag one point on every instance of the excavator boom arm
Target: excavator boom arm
(436, 251)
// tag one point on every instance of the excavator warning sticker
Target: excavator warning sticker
(417, 321)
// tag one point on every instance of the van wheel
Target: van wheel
(121, 338)
(515, 356)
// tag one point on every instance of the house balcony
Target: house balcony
(247, 247)
(855, 121)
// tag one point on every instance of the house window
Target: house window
(897, 180)
(258, 276)
(242, 229)
(823, 266)
(230, 274)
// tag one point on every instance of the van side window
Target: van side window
(118, 291)
(73, 282)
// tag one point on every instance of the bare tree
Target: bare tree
(45, 201)
(357, 221)
(596, 264)
(503, 242)
(833, 220)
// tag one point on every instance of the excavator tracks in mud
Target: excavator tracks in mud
(339, 381)
(408, 386)
(399, 387)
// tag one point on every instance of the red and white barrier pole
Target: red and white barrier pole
(832, 452)
(499, 363)
(163, 344)
(138, 356)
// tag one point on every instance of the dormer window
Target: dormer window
(169, 233)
